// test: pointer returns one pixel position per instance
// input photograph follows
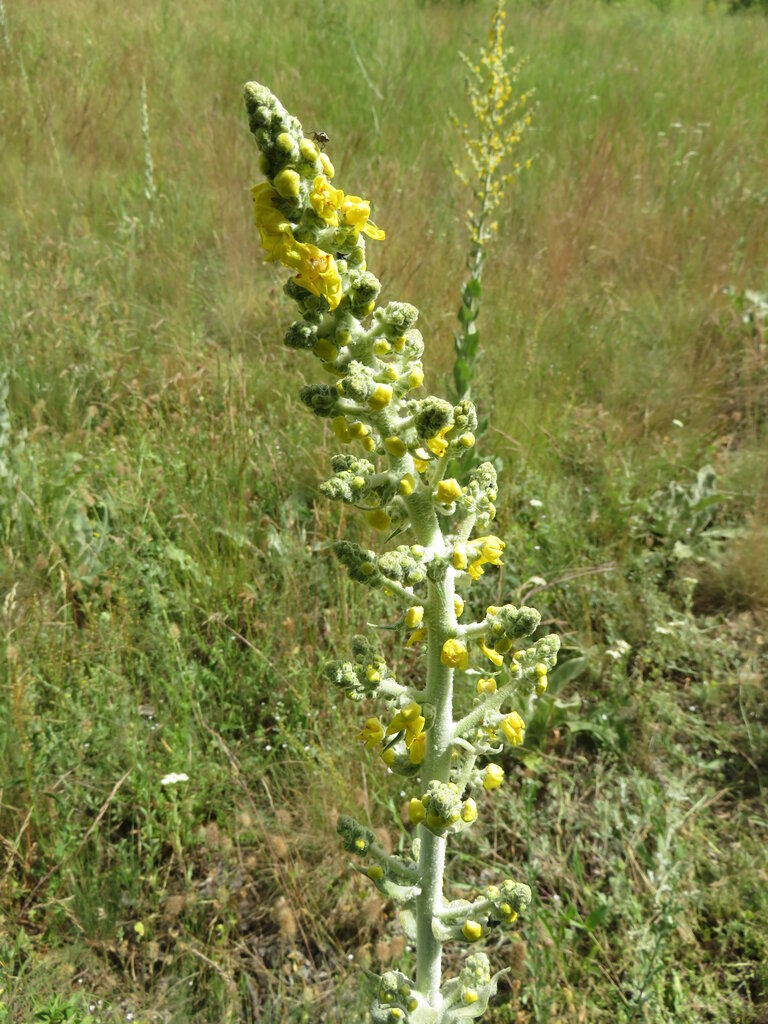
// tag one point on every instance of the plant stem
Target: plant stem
(441, 620)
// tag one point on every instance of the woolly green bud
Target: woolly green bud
(363, 290)
(355, 838)
(508, 624)
(301, 335)
(403, 566)
(442, 803)
(350, 481)
(320, 398)
(433, 415)
(358, 383)
(359, 563)
(398, 317)
(464, 417)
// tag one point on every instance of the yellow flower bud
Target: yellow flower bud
(472, 930)
(391, 372)
(284, 142)
(388, 756)
(308, 149)
(467, 440)
(360, 844)
(493, 777)
(325, 163)
(377, 517)
(407, 485)
(341, 429)
(326, 350)
(469, 810)
(485, 687)
(460, 556)
(458, 605)
(395, 446)
(420, 464)
(414, 615)
(416, 811)
(381, 347)
(375, 873)
(381, 397)
(287, 183)
(368, 443)
(448, 491)
(541, 684)
(416, 377)
(469, 995)
(358, 429)
(455, 654)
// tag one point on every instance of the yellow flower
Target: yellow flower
(356, 212)
(420, 464)
(493, 777)
(381, 397)
(326, 200)
(458, 605)
(416, 377)
(455, 654)
(460, 557)
(372, 733)
(415, 637)
(414, 615)
(485, 687)
(318, 272)
(472, 930)
(437, 444)
(274, 228)
(448, 491)
(469, 810)
(416, 811)
(341, 428)
(418, 748)
(410, 720)
(395, 446)
(378, 519)
(513, 728)
(494, 656)
(407, 485)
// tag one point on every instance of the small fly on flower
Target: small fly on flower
(321, 138)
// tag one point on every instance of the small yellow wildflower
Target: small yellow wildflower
(407, 485)
(416, 811)
(494, 656)
(372, 733)
(493, 776)
(455, 654)
(381, 397)
(356, 212)
(513, 728)
(410, 720)
(326, 200)
(448, 491)
(378, 519)
(414, 615)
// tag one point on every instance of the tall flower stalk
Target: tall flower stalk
(490, 139)
(393, 469)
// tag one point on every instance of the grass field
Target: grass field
(169, 601)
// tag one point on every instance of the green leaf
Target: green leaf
(596, 917)
(473, 289)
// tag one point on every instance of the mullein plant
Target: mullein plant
(396, 448)
(490, 138)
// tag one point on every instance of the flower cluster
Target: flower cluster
(394, 470)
